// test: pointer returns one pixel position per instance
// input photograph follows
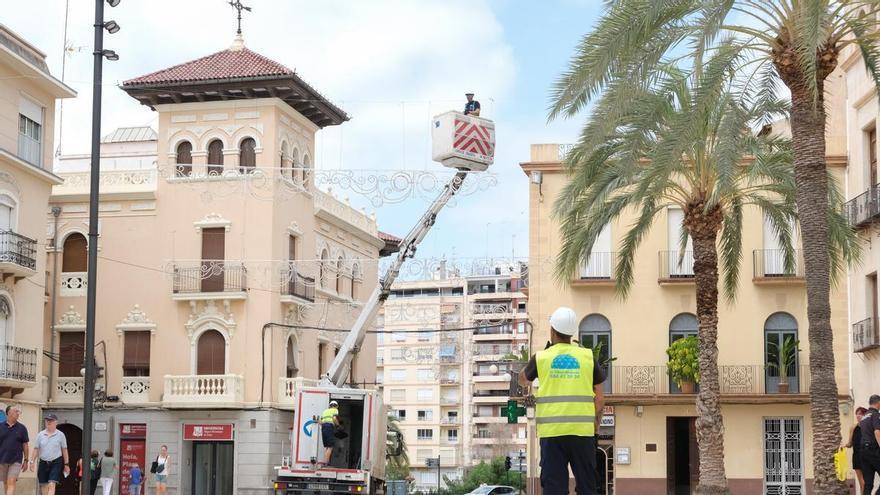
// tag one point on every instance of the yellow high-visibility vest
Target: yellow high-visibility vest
(327, 415)
(565, 401)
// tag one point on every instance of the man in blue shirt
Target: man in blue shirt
(13, 449)
(472, 107)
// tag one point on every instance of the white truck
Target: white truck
(466, 144)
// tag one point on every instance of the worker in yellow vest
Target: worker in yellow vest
(329, 422)
(568, 402)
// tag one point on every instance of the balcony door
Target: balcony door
(778, 328)
(598, 265)
(675, 228)
(683, 325)
(595, 334)
(213, 254)
(774, 256)
(211, 354)
(6, 206)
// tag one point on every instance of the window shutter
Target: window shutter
(137, 350)
(31, 109)
(71, 353)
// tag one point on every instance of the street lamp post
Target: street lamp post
(95, 176)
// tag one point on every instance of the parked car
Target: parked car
(494, 490)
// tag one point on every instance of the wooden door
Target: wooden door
(213, 254)
(211, 354)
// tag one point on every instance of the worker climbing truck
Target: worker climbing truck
(357, 465)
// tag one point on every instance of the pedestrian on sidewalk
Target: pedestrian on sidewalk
(568, 403)
(855, 442)
(51, 451)
(95, 470)
(108, 471)
(161, 468)
(135, 478)
(13, 449)
(870, 452)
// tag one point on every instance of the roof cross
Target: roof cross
(237, 5)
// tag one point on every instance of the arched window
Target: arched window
(211, 354)
(184, 159)
(781, 353)
(292, 349)
(306, 165)
(5, 323)
(215, 157)
(322, 269)
(594, 332)
(75, 256)
(295, 165)
(284, 161)
(339, 276)
(355, 280)
(247, 157)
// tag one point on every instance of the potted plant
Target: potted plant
(683, 364)
(787, 353)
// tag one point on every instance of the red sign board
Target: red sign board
(209, 432)
(133, 451)
(132, 431)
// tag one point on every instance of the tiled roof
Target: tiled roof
(131, 135)
(389, 238)
(226, 64)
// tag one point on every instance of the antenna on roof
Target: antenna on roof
(237, 5)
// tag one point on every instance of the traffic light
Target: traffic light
(507, 463)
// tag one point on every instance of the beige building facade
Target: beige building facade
(445, 358)
(226, 280)
(647, 438)
(863, 211)
(27, 97)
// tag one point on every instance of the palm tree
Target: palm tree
(393, 426)
(685, 139)
(795, 42)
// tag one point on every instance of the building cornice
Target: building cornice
(30, 168)
(831, 161)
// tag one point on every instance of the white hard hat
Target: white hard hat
(564, 321)
(334, 403)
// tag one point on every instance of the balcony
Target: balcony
(74, 284)
(449, 380)
(671, 272)
(769, 266)
(597, 270)
(295, 287)
(69, 390)
(736, 381)
(864, 208)
(493, 311)
(500, 377)
(865, 335)
(490, 396)
(18, 257)
(18, 369)
(198, 391)
(450, 421)
(380, 361)
(288, 388)
(209, 280)
(450, 401)
(495, 351)
(135, 389)
(497, 332)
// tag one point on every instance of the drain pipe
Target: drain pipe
(56, 212)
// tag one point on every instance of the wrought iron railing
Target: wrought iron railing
(770, 263)
(210, 276)
(599, 266)
(863, 208)
(18, 363)
(18, 249)
(747, 379)
(865, 335)
(670, 268)
(294, 283)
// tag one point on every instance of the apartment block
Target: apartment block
(647, 439)
(28, 93)
(225, 279)
(446, 351)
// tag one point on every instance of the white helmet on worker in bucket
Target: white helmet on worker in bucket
(564, 321)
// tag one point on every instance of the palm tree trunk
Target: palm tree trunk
(703, 228)
(811, 180)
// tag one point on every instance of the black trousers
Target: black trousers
(870, 466)
(557, 453)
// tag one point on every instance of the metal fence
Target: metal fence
(864, 207)
(295, 284)
(747, 379)
(18, 249)
(670, 268)
(770, 263)
(210, 276)
(18, 363)
(865, 335)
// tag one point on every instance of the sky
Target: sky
(391, 65)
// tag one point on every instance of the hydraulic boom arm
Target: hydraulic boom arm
(341, 366)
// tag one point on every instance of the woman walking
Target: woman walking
(855, 442)
(161, 469)
(108, 471)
